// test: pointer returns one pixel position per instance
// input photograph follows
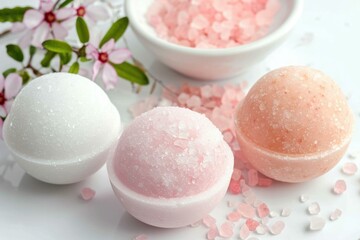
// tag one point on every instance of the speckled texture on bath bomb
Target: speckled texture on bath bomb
(171, 152)
(295, 110)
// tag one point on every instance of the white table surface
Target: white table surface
(327, 37)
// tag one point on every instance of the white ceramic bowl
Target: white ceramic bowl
(212, 64)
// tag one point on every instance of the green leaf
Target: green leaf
(8, 71)
(116, 30)
(57, 46)
(65, 58)
(131, 73)
(25, 76)
(13, 14)
(65, 3)
(82, 30)
(32, 50)
(84, 59)
(15, 52)
(75, 67)
(45, 62)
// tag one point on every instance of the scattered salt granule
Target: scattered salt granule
(261, 229)
(285, 212)
(246, 210)
(264, 182)
(314, 208)
(234, 187)
(226, 230)
(212, 23)
(277, 227)
(349, 168)
(303, 198)
(87, 193)
(212, 233)
(316, 223)
(339, 187)
(141, 237)
(233, 216)
(253, 177)
(263, 210)
(209, 221)
(273, 214)
(335, 214)
(252, 224)
(236, 175)
(244, 232)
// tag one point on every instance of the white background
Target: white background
(327, 37)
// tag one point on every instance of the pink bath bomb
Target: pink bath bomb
(175, 156)
(294, 124)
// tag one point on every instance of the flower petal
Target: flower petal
(60, 32)
(91, 51)
(119, 55)
(95, 69)
(97, 12)
(109, 45)
(25, 40)
(1, 128)
(32, 18)
(8, 105)
(69, 23)
(17, 27)
(110, 77)
(2, 111)
(13, 84)
(88, 2)
(41, 34)
(65, 13)
(47, 5)
(2, 81)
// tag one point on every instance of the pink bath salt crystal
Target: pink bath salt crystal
(252, 224)
(273, 214)
(339, 187)
(263, 210)
(228, 137)
(317, 223)
(314, 208)
(193, 101)
(277, 227)
(212, 233)
(234, 187)
(206, 91)
(286, 212)
(349, 168)
(233, 216)
(250, 199)
(236, 175)
(199, 22)
(261, 229)
(226, 230)
(87, 193)
(209, 221)
(246, 210)
(244, 232)
(264, 182)
(183, 98)
(253, 177)
(303, 198)
(335, 215)
(141, 237)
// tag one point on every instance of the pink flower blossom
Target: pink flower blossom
(89, 11)
(44, 23)
(104, 58)
(1, 128)
(9, 88)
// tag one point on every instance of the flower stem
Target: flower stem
(4, 33)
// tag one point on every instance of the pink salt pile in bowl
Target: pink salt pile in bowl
(212, 63)
(294, 124)
(171, 167)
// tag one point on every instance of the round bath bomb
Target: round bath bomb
(171, 167)
(61, 128)
(294, 124)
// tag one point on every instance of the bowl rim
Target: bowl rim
(170, 202)
(283, 29)
(291, 156)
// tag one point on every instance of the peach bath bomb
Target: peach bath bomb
(171, 167)
(62, 127)
(294, 124)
